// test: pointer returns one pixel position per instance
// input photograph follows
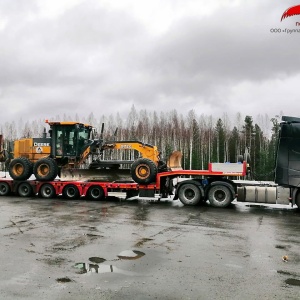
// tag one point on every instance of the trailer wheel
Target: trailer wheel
(219, 196)
(70, 191)
(143, 171)
(45, 169)
(47, 190)
(25, 189)
(4, 188)
(95, 192)
(189, 194)
(20, 168)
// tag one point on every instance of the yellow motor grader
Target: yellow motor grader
(70, 147)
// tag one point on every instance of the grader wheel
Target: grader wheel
(45, 169)
(143, 171)
(20, 168)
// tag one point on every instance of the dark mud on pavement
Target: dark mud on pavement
(56, 249)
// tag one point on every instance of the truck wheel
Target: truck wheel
(4, 189)
(143, 171)
(219, 196)
(71, 192)
(45, 169)
(189, 194)
(47, 190)
(25, 189)
(95, 192)
(20, 168)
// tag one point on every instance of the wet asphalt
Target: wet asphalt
(122, 249)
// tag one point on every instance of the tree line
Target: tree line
(200, 138)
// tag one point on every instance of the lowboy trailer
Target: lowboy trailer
(189, 186)
(220, 184)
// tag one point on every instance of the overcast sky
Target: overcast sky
(76, 57)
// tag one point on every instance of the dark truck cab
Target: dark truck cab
(287, 169)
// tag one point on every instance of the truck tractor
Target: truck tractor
(68, 148)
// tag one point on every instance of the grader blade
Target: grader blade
(108, 175)
(174, 161)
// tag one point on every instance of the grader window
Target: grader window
(65, 139)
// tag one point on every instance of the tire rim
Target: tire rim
(18, 169)
(143, 171)
(220, 196)
(95, 192)
(47, 191)
(189, 194)
(3, 189)
(43, 170)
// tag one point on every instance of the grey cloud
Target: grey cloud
(89, 59)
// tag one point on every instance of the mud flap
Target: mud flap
(147, 193)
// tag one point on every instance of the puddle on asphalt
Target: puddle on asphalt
(86, 268)
(292, 281)
(288, 273)
(97, 260)
(284, 247)
(130, 254)
(97, 264)
(63, 280)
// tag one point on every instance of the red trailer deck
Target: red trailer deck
(194, 186)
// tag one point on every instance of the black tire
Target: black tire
(220, 196)
(189, 194)
(47, 190)
(25, 189)
(45, 169)
(70, 191)
(20, 168)
(143, 171)
(95, 192)
(4, 189)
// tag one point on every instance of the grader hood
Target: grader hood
(174, 161)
